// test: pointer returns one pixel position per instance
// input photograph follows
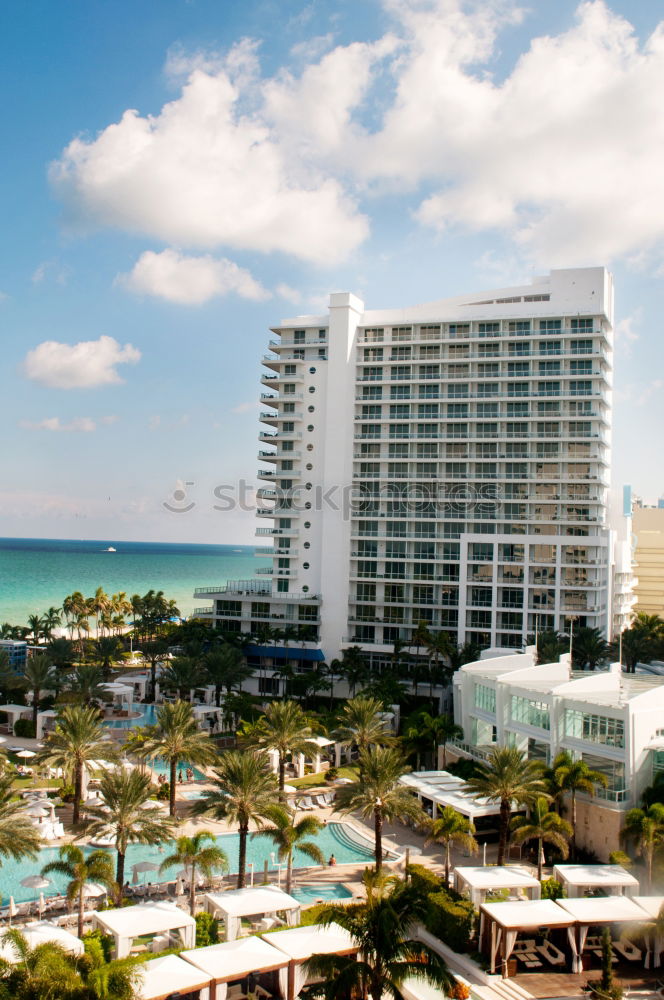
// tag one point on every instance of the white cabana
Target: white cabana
(599, 910)
(224, 963)
(130, 922)
(480, 880)
(123, 694)
(576, 879)
(45, 722)
(139, 682)
(169, 976)
(14, 712)
(444, 789)
(299, 944)
(39, 933)
(652, 906)
(300, 759)
(504, 921)
(261, 900)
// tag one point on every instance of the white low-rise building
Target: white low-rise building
(613, 721)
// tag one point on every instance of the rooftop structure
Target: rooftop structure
(648, 525)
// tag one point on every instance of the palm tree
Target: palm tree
(440, 729)
(589, 648)
(86, 683)
(80, 870)
(106, 650)
(362, 724)
(285, 728)
(244, 791)
(182, 675)
(575, 776)
(154, 651)
(378, 795)
(288, 833)
(354, 667)
(50, 621)
(177, 738)
(451, 828)
(9, 679)
(61, 652)
(386, 954)
(507, 777)
(644, 829)
(127, 816)
(45, 972)
(114, 980)
(545, 827)
(35, 626)
(439, 646)
(198, 852)
(38, 676)
(226, 667)
(78, 739)
(19, 838)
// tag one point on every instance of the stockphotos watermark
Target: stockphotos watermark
(462, 499)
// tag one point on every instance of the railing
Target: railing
(470, 750)
(236, 587)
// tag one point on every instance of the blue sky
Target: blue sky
(180, 174)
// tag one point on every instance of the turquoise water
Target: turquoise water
(148, 717)
(332, 839)
(308, 894)
(38, 573)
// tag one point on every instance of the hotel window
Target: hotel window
(581, 324)
(428, 411)
(371, 392)
(401, 373)
(519, 326)
(550, 325)
(399, 411)
(594, 728)
(459, 329)
(457, 410)
(549, 367)
(485, 329)
(581, 347)
(299, 336)
(373, 353)
(487, 409)
(488, 370)
(517, 348)
(400, 354)
(532, 713)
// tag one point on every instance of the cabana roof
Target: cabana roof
(651, 904)
(15, 709)
(602, 909)
(497, 877)
(595, 876)
(529, 914)
(300, 943)
(39, 933)
(447, 790)
(145, 918)
(235, 959)
(246, 902)
(163, 977)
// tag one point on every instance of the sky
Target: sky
(178, 175)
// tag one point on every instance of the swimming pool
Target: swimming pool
(148, 717)
(312, 893)
(334, 838)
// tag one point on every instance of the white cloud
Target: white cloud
(626, 333)
(85, 365)
(285, 291)
(563, 153)
(78, 424)
(189, 281)
(247, 407)
(207, 172)
(50, 269)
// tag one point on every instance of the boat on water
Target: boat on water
(110, 549)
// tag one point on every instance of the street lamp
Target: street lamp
(573, 618)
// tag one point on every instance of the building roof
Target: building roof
(594, 876)
(163, 977)
(447, 790)
(145, 918)
(234, 959)
(300, 943)
(602, 909)
(651, 904)
(245, 902)
(39, 933)
(497, 877)
(528, 914)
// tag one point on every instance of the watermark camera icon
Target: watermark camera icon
(178, 503)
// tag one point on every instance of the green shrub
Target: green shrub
(552, 889)
(24, 729)
(67, 793)
(451, 920)
(424, 880)
(164, 792)
(104, 941)
(207, 930)
(331, 774)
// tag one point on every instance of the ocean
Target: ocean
(38, 573)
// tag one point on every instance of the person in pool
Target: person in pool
(332, 860)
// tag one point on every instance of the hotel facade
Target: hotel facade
(446, 463)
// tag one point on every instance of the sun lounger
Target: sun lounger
(550, 953)
(305, 803)
(628, 951)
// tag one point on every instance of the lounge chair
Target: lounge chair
(628, 951)
(305, 803)
(552, 954)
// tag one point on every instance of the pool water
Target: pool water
(334, 838)
(308, 894)
(148, 717)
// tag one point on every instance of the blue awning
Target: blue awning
(285, 653)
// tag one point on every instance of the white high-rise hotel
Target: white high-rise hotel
(445, 463)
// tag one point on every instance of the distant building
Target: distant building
(17, 649)
(611, 720)
(648, 527)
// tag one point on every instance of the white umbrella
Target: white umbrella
(26, 754)
(145, 866)
(35, 882)
(290, 789)
(94, 889)
(36, 810)
(106, 841)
